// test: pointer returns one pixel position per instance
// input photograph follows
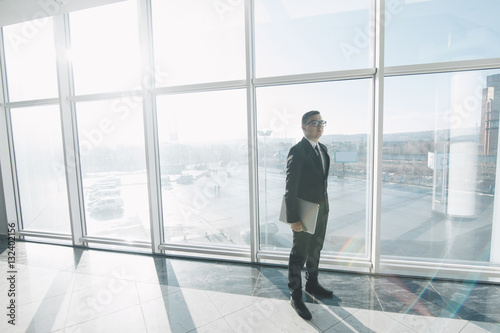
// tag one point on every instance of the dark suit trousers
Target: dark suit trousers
(306, 250)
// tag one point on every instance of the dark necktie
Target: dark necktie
(318, 156)
(317, 151)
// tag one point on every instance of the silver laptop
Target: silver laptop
(308, 213)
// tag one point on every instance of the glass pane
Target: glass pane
(113, 164)
(419, 32)
(30, 60)
(105, 49)
(345, 105)
(204, 168)
(439, 167)
(40, 169)
(198, 41)
(295, 37)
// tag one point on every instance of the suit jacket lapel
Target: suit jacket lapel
(327, 160)
(313, 156)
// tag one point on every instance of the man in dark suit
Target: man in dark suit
(307, 178)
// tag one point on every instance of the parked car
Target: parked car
(106, 183)
(185, 179)
(101, 193)
(106, 205)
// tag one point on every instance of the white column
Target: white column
(6, 164)
(462, 179)
(466, 107)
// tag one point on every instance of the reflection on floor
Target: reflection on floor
(64, 289)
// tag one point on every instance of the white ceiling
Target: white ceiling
(15, 11)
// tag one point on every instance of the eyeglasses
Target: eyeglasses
(316, 123)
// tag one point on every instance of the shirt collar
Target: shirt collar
(313, 144)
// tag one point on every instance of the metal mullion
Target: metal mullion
(116, 241)
(438, 264)
(203, 249)
(451, 66)
(69, 130)
(315, 77)
(326, 260)
(374, 221)
(150, 127)
(202, 87)
(36, 102)
(41, 234)
(104, 96)
(252, 131)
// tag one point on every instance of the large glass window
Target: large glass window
(440, 130)
(40, 169)
(296, 37)
(419, 32)
(198, 41)
(105, 50)
(345, 105)
(204, 168)
(31, 61)
(113, 166)
(439, 167)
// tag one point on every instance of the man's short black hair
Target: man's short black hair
(308, 114)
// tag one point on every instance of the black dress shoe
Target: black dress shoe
(300, 308)
(318, 290)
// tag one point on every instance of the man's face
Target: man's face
(311, 132)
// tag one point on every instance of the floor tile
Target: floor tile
(481, 327)
(151, 291)
(129, 320)
(470, 301)
(268, 315)
(325, 317)
(429, 324)
(181, 311)
(65, 289)
(369, 321)
(410, 296)
(228, 303)
(218, 326)
(57, 283)
(96, 301)
(272, 283)
(40, 316)
(350, 290)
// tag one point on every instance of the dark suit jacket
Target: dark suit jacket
(305, 178)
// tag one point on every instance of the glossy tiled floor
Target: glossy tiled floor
(62, 289)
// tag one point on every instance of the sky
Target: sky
(291, 38)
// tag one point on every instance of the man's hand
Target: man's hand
(297, 226)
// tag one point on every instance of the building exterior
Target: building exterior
(490, 115)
